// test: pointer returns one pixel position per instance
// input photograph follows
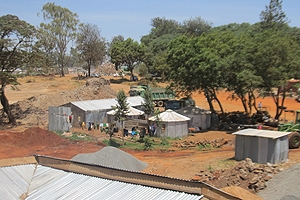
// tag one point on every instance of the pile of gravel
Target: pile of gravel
(112, 157)
(283, 186)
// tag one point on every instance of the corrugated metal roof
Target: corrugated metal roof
(49, 183)
(14, 181)
(131, 112)
(261, 133)
(104, 104)
(170, 116)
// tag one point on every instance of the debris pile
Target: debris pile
(245, 174)
(205, 144)
(106, 69)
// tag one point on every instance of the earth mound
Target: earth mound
(33, 111)
(36, 140)
(112, 157)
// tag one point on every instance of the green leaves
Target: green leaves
(122, 107)
(128, 53)
(148, 102)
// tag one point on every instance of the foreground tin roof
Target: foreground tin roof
(42, 177)
(40, 182)
(104, 104)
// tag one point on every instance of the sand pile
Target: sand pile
(112, 157)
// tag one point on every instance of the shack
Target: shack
(262, 146)
(200, 118)
(173, 125)
(132, 114)
(95, 111)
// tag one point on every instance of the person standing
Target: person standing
(260, 105)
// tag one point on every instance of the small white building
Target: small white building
(173, 125)
(262, 146)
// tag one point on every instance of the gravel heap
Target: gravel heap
(284, 186)
(112, 157)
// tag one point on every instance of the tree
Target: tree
(16, 38)
(59, 31)
(273, 15)
(163, 26)
(276, 61)
(114, 40)
(128, 52)
(121, 109)
(91, 46)
(195, 26)
(196, 64)
(148, 102)
(241, 77)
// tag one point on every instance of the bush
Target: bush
(148, 143)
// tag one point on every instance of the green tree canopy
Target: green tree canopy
(16, 41)
(273, 16)
(128, 53)
(148, 102)
(122, 107)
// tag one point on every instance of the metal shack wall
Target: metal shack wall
(200, 120)
(261, 150)
(78, 115)
(174, 129)
(59, 118)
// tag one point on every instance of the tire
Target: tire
(160, 103)
(294, 140)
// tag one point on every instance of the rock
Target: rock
(243, 177)
(260, 185)
(254, 180)
(242, 171)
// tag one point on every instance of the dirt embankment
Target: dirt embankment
(33, 110)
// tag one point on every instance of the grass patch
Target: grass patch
(204, 147)
(146, 143)
(76, 136)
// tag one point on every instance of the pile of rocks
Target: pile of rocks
(205, 144)
(245, 174)
(106, 69)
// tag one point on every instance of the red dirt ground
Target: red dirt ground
(178, 163)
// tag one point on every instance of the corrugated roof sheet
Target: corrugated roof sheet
(47, 183)
(261, 133)
(104, 104)
(170, 116)
(131, 112)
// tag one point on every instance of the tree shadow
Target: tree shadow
(113, 143)
(119, 81)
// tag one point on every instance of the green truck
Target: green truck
(294, 127)
(160, 95)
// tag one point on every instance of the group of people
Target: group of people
(139, 131)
